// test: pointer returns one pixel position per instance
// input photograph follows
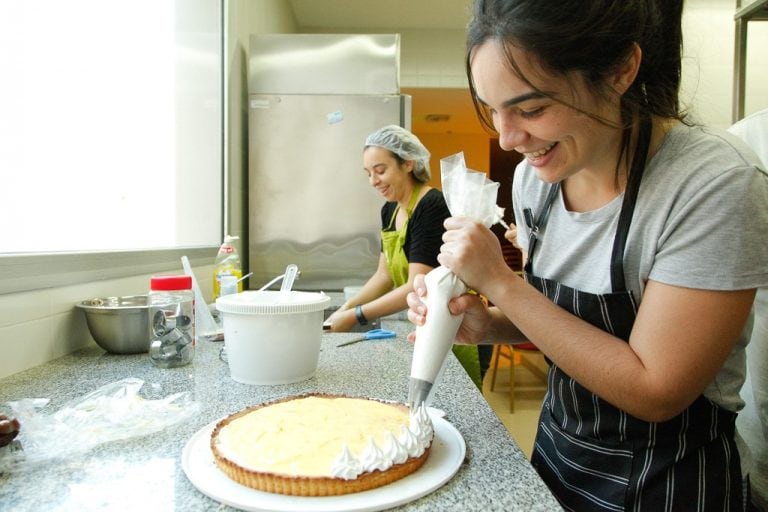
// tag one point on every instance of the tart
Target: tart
(321, 445)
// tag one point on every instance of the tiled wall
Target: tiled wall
(432, 58)
(41, 325)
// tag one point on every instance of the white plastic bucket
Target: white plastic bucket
(272, 337)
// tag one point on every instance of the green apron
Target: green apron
(393, 243)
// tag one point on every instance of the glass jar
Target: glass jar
(171, 307)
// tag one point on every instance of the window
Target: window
(111, 129)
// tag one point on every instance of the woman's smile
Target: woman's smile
(539, 157)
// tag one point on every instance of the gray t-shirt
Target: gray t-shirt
(700, 221)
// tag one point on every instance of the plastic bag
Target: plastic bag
(469, 193)
(111, 413)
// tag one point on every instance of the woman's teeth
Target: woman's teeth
(539, 152)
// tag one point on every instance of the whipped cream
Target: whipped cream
(411, 442)
(346, 466)
(421, 426)
(373, 458)
(394, 451)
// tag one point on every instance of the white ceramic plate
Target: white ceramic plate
(445, 459)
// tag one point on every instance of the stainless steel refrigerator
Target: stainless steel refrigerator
(313, 99)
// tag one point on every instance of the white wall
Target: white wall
(757, 71)
(708, 38)
(432, 58)
(41, 325)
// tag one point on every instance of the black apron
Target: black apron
(594, 456)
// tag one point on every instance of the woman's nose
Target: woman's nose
(511, 135)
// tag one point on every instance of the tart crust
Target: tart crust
(307, 485)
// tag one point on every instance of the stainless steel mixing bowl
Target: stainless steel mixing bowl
(119, 325)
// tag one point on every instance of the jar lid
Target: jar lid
(272, 302)
(169, 283)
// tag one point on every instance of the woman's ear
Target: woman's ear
(627, 72)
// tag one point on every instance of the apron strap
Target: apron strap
(536, 225)
(414, 199)
(411, 204)
(628, 204)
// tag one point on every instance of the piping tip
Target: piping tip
(418, 391)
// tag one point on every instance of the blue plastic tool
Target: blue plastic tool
(373, 334)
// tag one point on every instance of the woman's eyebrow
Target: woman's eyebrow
(375, 166)
(533, 95)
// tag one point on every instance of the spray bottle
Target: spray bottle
(227, 264)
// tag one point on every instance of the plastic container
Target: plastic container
(272, 337)
(171, 311)
(227, 263)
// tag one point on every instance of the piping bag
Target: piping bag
(468, 194)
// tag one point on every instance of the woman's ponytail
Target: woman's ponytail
(661, 72)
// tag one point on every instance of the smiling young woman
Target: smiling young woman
(628, 217)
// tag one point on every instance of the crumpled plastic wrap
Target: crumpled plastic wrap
(468, 194)
(110, 413)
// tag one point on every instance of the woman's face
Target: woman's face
(386, 174)
(557, 140)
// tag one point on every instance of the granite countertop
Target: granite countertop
(145, 473)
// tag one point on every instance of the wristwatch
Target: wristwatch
(360, 316)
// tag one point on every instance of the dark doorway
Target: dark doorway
(502, 169)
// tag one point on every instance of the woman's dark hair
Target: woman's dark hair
(593, 37)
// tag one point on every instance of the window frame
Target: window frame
(28, 272)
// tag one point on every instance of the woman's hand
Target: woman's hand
(342, 320)
(474, 326)
(511, 235)
(472, 252)
(9, 429)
